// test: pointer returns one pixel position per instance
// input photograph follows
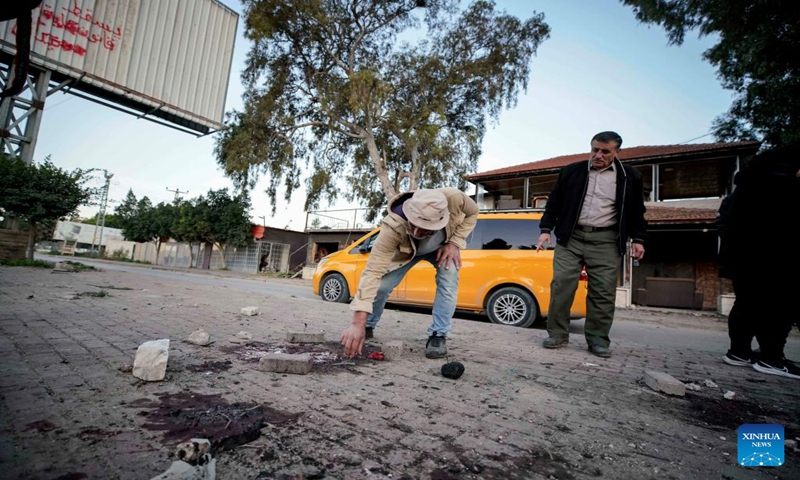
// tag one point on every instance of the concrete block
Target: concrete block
(392, 350)
(665, 383)
(297, 363)
(305, 337)
(250, 311)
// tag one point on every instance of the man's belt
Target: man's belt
(595, 229)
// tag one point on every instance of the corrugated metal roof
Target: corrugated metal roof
(625, 155)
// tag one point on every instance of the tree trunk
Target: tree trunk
(207, 252)
(191, 255)
(31, 241)
(379, 166)
(222, 256)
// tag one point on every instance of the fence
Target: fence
(257, 257)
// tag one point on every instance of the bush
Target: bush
(27, 263)
(120, 254)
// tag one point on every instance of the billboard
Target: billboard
(165, 58)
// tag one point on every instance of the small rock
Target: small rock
(453, 370)
(722, 438)
(126, 368)
(392, 350)
(191, 450)
(693, 386)
(206, 469)
(790, 445)
(729, 395)
(150, 363)
(250, 311)
(199, 337)
(710, 384)
(244, 335)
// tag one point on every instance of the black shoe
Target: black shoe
(551, 342)
(739, 360)
(369, 332)
(600, 351)
(436, 346)
(783, 368)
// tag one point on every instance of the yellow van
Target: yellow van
(502, 274)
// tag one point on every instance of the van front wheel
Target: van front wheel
(512, 306)
(334, 289)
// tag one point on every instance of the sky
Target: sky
(599, 70)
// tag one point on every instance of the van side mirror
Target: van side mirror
(364, 248)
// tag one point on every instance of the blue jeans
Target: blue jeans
(444, 303)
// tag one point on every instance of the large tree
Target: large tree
(757, 55)
(40, 194)
(383, 94)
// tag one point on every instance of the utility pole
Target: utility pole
(101, 215)
(263, 220)
(177, 192)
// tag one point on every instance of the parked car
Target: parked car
(502, 274)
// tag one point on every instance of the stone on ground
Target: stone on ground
(199, 337)
(665, 383)
(297, 363)
(150, 363)
(305, 337)
(250, 311)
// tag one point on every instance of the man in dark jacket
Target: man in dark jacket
(760, 255)
(595, 206)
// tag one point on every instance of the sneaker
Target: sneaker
(369, 332)
(783, 368)
(737, 360)
(436, 346)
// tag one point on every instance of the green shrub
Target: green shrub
(27, 263)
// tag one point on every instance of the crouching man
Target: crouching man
(430, 225)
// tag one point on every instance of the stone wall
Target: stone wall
(13, 244)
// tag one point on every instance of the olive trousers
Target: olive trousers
(598, 252)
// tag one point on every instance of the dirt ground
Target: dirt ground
(71, 408)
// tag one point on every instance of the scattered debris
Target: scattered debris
(324, 357)
(664, 382)
(150, 363)
(305, 337)
(693, 386)
(192, 450)
(729, 395)
(710, 384)
(192, 415)
(244, 335)
(40, 426)
(199, 337)
(392, 350)
(180, 470)
(127, 368)
(212, 366)
(250, 311)
(376, 356)
(299, 363)
(453, 370)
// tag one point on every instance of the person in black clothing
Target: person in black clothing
(595, 206)
(761, 257)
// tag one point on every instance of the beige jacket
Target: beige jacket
(394, 246)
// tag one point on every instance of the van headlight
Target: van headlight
(321, 263)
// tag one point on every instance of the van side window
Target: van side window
(509, 234)
(475, 238)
